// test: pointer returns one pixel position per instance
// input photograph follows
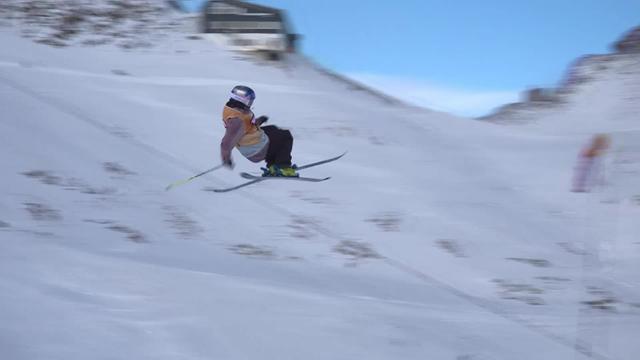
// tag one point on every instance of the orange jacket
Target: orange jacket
(242, 133)
(252, 133)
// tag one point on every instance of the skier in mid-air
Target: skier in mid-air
(257, 143)
(254, 141)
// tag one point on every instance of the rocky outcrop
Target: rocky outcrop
(125, 23)
(584, 70)
(630, 43)
(541, 95)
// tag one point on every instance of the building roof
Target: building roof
(254, 13)
(251, 7)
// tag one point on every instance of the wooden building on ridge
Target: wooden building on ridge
(246, 26)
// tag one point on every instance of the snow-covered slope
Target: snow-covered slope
(437, 237)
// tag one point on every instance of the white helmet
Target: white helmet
(243, 94)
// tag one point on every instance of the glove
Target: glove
(228, 163)
(261, 120)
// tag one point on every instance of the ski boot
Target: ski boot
(284, 171)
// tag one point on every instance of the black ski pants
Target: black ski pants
(280, 146)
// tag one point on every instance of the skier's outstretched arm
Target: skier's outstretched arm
(232, 136)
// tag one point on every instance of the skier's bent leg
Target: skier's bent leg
(283, 158)
(280, 146)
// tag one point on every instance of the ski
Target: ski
(299, 178)
(257, 180)
(320, 162)
(253, 179)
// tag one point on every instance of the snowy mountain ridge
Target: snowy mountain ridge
(617, 70)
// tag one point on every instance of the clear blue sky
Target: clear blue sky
(469, 51)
